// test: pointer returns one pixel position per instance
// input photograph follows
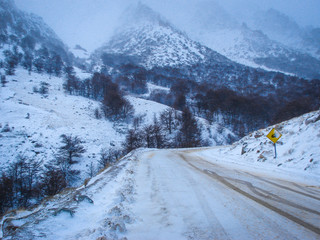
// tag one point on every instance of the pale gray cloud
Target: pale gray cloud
(91, 22)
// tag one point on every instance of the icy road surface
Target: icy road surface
(176, 194)
(182, 196)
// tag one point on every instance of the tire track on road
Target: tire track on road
(272, 196)
(257, 200)
(219, 231)
(284, 187)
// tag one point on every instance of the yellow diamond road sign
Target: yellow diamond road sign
(274, 135)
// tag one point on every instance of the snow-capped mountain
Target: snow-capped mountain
(264, 47)
(283, 29)
(256, 49)
(153, 41)
(28, 31)
(147, 40)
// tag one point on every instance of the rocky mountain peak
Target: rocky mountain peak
(147, 36)
(142, 14)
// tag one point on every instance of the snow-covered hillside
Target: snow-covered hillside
(36, 121)
(28, 31)
(212, 193)
(298, 150)
(254, 48)
(32, 123)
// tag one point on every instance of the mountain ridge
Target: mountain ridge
(155, 41)
(29, 31)
(251, 45)
(153, 46)
(285, 30)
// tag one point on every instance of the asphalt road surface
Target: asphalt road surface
(183, 196)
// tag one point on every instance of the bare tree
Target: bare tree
(108, 156)
(133, 140)
(6, 193)
(189, 134)
(3, 80)
(91, 170)
(53, 180)
(72, 148)
(25, 175)
(148, 136)
(167, 119)
(158, 135)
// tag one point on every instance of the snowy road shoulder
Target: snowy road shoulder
(175, 194)
(230, 157)
(182, 197)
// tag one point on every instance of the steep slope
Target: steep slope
(31, 123)
(297, 149)
(147, 40)
(152, 41)
(251, 47)
(281, 28)
(27, 31)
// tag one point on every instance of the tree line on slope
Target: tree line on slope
(273, 99)
(241, 110)
(241, 98)
(173, 129)
(27, 181)
(115, 107)
(41, 60)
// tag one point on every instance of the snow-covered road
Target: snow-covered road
(176, 194)
(182, 196)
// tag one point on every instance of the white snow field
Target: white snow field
(298, 150)
(230, 192)
(37, 121)
(177, 194)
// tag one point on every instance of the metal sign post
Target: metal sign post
(274, 136)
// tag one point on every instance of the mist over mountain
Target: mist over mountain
(283, 29)
(208, 16)
(152, 49)
(146, 36)
(147, 39)
(28, 31)
(275, 43)
(201, 79)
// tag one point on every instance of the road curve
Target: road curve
(267, 199)
(181, 196)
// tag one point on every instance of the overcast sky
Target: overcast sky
(90, 22)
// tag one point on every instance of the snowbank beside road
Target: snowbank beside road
(298, 150)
